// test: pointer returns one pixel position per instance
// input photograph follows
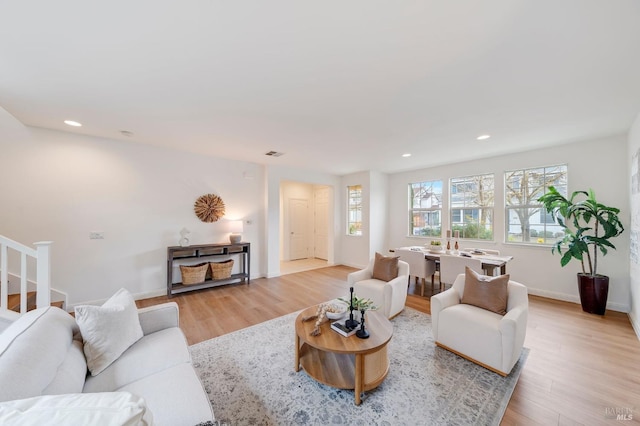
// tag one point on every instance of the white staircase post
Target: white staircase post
(43, 273)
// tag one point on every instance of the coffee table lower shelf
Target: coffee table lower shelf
(360, 372)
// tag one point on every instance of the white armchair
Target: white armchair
(494, 341)
(388, 296)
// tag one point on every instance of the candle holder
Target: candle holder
(448, 251)
(351, 323)
(362, 333)
(455, 248)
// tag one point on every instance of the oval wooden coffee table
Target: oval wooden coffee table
(344, 362)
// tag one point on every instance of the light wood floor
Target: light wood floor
(581, 367)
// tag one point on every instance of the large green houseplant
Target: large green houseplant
(588, 228)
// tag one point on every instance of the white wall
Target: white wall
(634, 227)
(596, 164)
(60, 186)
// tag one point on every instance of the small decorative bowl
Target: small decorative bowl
(341, 311)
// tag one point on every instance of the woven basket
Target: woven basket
(194, 274)
(221, 270)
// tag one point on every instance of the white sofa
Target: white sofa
(41, 354)
(484, 337)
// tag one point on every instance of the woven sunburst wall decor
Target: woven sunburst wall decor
(209, 207)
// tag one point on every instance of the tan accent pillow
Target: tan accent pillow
(385, 268)
(486, 292)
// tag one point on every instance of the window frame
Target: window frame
(354, 227)
(532, 204)
(459, 187)
(436, 211)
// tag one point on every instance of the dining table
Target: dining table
(489, 261)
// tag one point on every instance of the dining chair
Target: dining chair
(490, 270)
(452, 265)
(419, 267)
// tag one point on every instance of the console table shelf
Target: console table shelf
(207, 253)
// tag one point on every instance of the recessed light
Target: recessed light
(406, 155)
(72, 123)
(483, 137)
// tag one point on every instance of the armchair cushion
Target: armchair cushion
(385, 268)
(486, 292)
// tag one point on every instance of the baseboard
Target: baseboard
(618, 307)
(635, 323)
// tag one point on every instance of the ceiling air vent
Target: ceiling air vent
(274, 154)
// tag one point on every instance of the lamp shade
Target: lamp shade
(235, 226)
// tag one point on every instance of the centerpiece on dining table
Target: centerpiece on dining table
(435, 246)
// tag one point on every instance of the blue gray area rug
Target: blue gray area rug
(250, 379)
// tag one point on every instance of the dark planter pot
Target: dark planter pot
(593, 293)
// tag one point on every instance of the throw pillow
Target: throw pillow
(485, 292)
(108, 330)
(385, 268)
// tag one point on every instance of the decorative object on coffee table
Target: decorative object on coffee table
(321, 315)
(209, 208)
(351, 323)
(362, 332)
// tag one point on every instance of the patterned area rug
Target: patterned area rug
(250, 380)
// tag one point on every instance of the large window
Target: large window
(354, 210)
(471, 206)
(527, 221)
(425, 208)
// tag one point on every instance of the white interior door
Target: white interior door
(321, 224)
(298, 229)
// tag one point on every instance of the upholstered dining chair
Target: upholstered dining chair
(419, 267)
(452, 265)
(487, 338)
(389, 296)
(491, 270)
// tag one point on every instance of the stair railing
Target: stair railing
(42, 255)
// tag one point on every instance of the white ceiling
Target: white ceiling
(338, 86)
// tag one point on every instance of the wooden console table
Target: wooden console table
(206, 253)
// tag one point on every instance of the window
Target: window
(354, 210)
(471, 206)
(527, 221)
(425, 207)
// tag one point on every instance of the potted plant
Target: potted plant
(588, 228)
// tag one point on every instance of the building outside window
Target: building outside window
(527, 221)
(471, 206)
(354, 210)
(425, 209)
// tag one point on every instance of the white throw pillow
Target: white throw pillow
(108, 330)
(106, 408)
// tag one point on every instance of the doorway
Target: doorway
(304, 226)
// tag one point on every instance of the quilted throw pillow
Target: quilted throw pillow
(385, 268)
(108, 330)
(486, 292)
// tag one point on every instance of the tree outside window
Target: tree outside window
(471, 206)
(354, 210)
(527, 221)
(425, 209)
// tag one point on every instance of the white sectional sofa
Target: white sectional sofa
(43, 372)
